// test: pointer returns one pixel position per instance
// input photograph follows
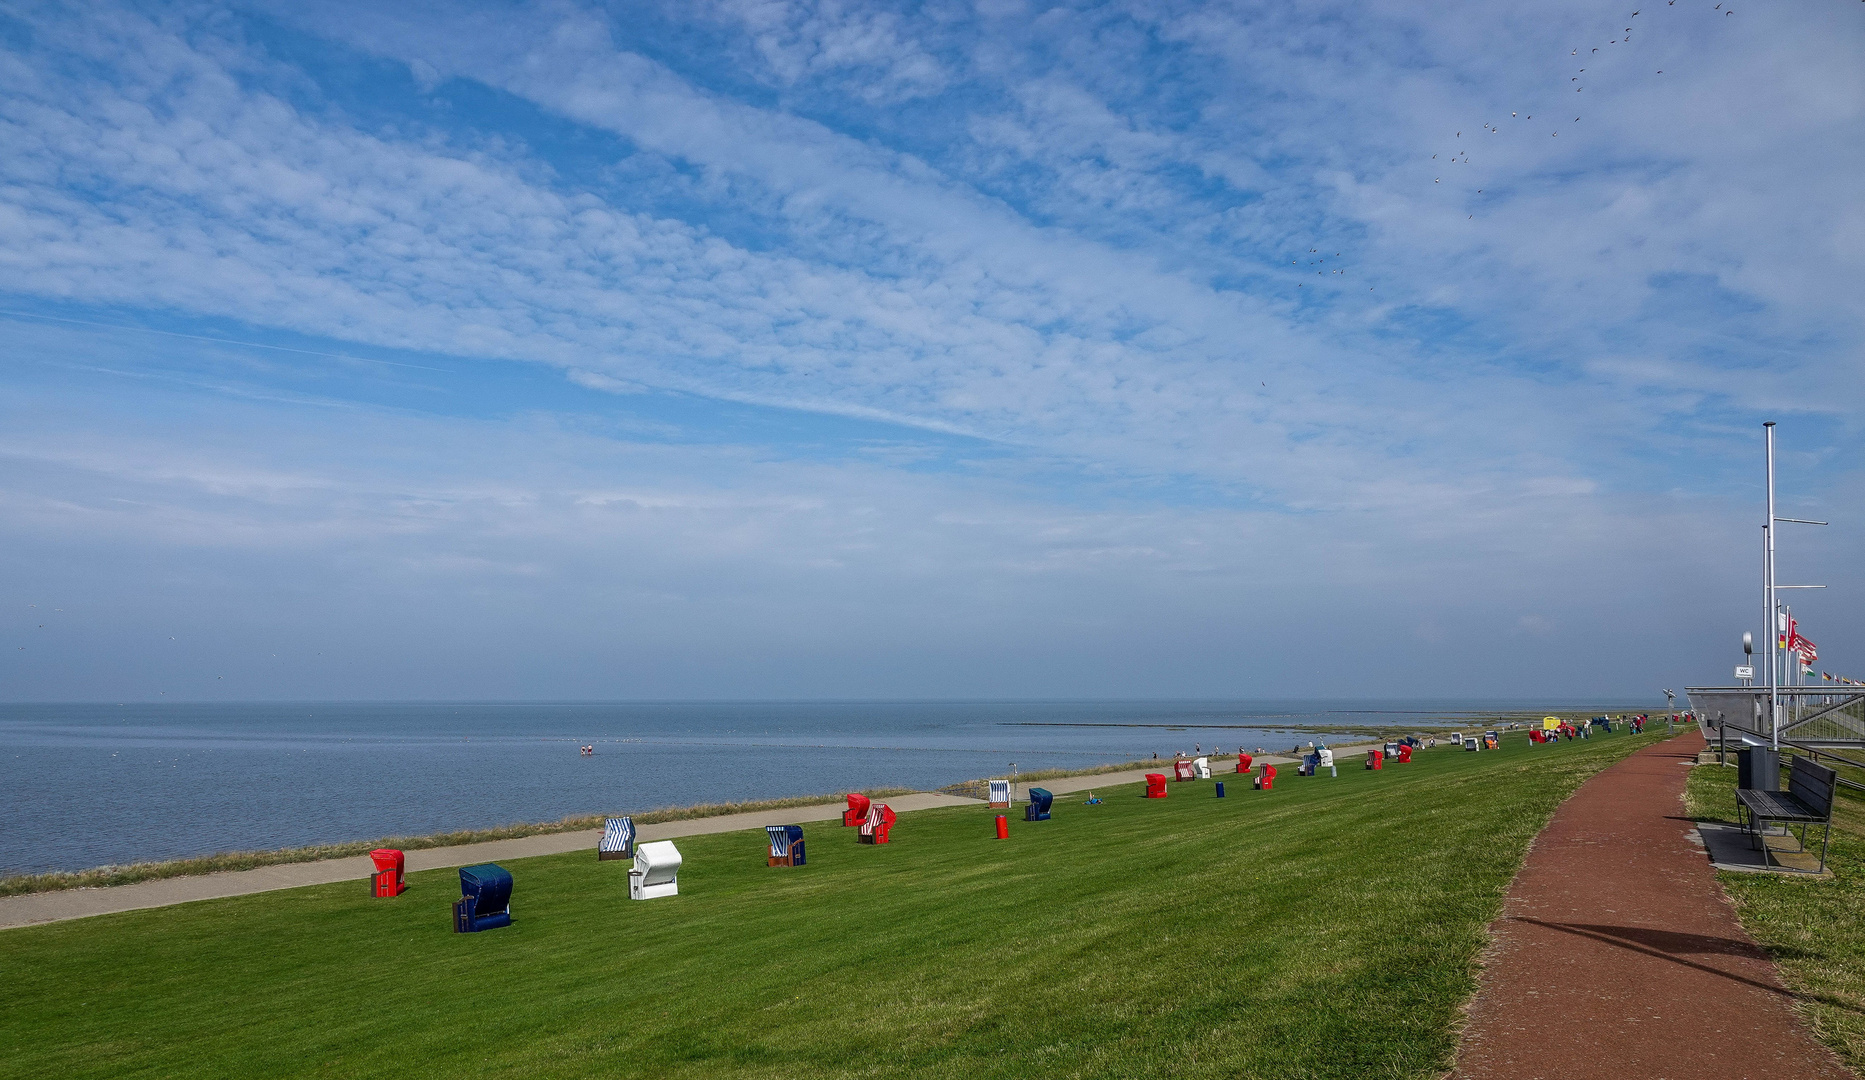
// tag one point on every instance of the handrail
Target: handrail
(1815, 752)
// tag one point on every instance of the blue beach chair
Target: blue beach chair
(1040, 802)
(487, 903)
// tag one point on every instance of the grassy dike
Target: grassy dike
(1814, 930)
(1328, 928)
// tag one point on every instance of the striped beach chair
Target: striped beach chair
(880, 820)
(618, 839)
(1000, 794)
(786, 845)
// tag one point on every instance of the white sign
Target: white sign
(1745, 673)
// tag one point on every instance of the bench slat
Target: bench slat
(1812, 783)
(1777, 806)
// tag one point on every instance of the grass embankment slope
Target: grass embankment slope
(1815, 930)
(1328, 928)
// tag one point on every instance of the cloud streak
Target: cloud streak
(1175, 289)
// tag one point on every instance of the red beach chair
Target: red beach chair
(874, 829)
(1182, 770)
(1375, 759)
(857, 811)
(1405, 753)
(1155, 785)
(1243, 764)
(391, 865)
(1268, 779)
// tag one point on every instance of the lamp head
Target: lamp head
(1748, 643)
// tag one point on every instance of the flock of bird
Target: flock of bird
(1461, 156)
(1624, 37)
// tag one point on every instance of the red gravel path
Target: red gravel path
(1617, 954)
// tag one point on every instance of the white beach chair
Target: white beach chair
(1201, 768)
(656, 872)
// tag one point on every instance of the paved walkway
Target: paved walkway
(1617, 954)
(81, 903)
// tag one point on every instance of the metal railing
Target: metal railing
(1813, 715)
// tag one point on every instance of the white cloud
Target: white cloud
(1064, 232)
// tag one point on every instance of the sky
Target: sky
(778, 349)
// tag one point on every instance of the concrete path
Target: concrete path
(80, 903)
(1618, 955)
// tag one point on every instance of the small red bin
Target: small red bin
(1003, 827)
(391, 866)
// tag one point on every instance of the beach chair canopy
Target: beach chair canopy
(618, 834)
(658, 862)
(488, 886)
(782, 836)
(1041, 799)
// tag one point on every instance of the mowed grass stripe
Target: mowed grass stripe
(1328, 928)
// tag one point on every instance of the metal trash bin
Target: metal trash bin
(1758, 768)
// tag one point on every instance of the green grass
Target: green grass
(1327, 929)
(1813, 929)
(106, 876)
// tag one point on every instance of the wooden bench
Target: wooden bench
(1808, 801)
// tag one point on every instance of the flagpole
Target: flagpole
(1774, 615)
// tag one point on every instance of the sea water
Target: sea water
(97, 784)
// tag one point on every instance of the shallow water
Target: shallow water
(89, 785)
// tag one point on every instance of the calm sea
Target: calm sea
(89, 785)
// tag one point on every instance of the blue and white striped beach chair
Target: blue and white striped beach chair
(786, 845)
(618, 839)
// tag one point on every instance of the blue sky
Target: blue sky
(785, 349)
